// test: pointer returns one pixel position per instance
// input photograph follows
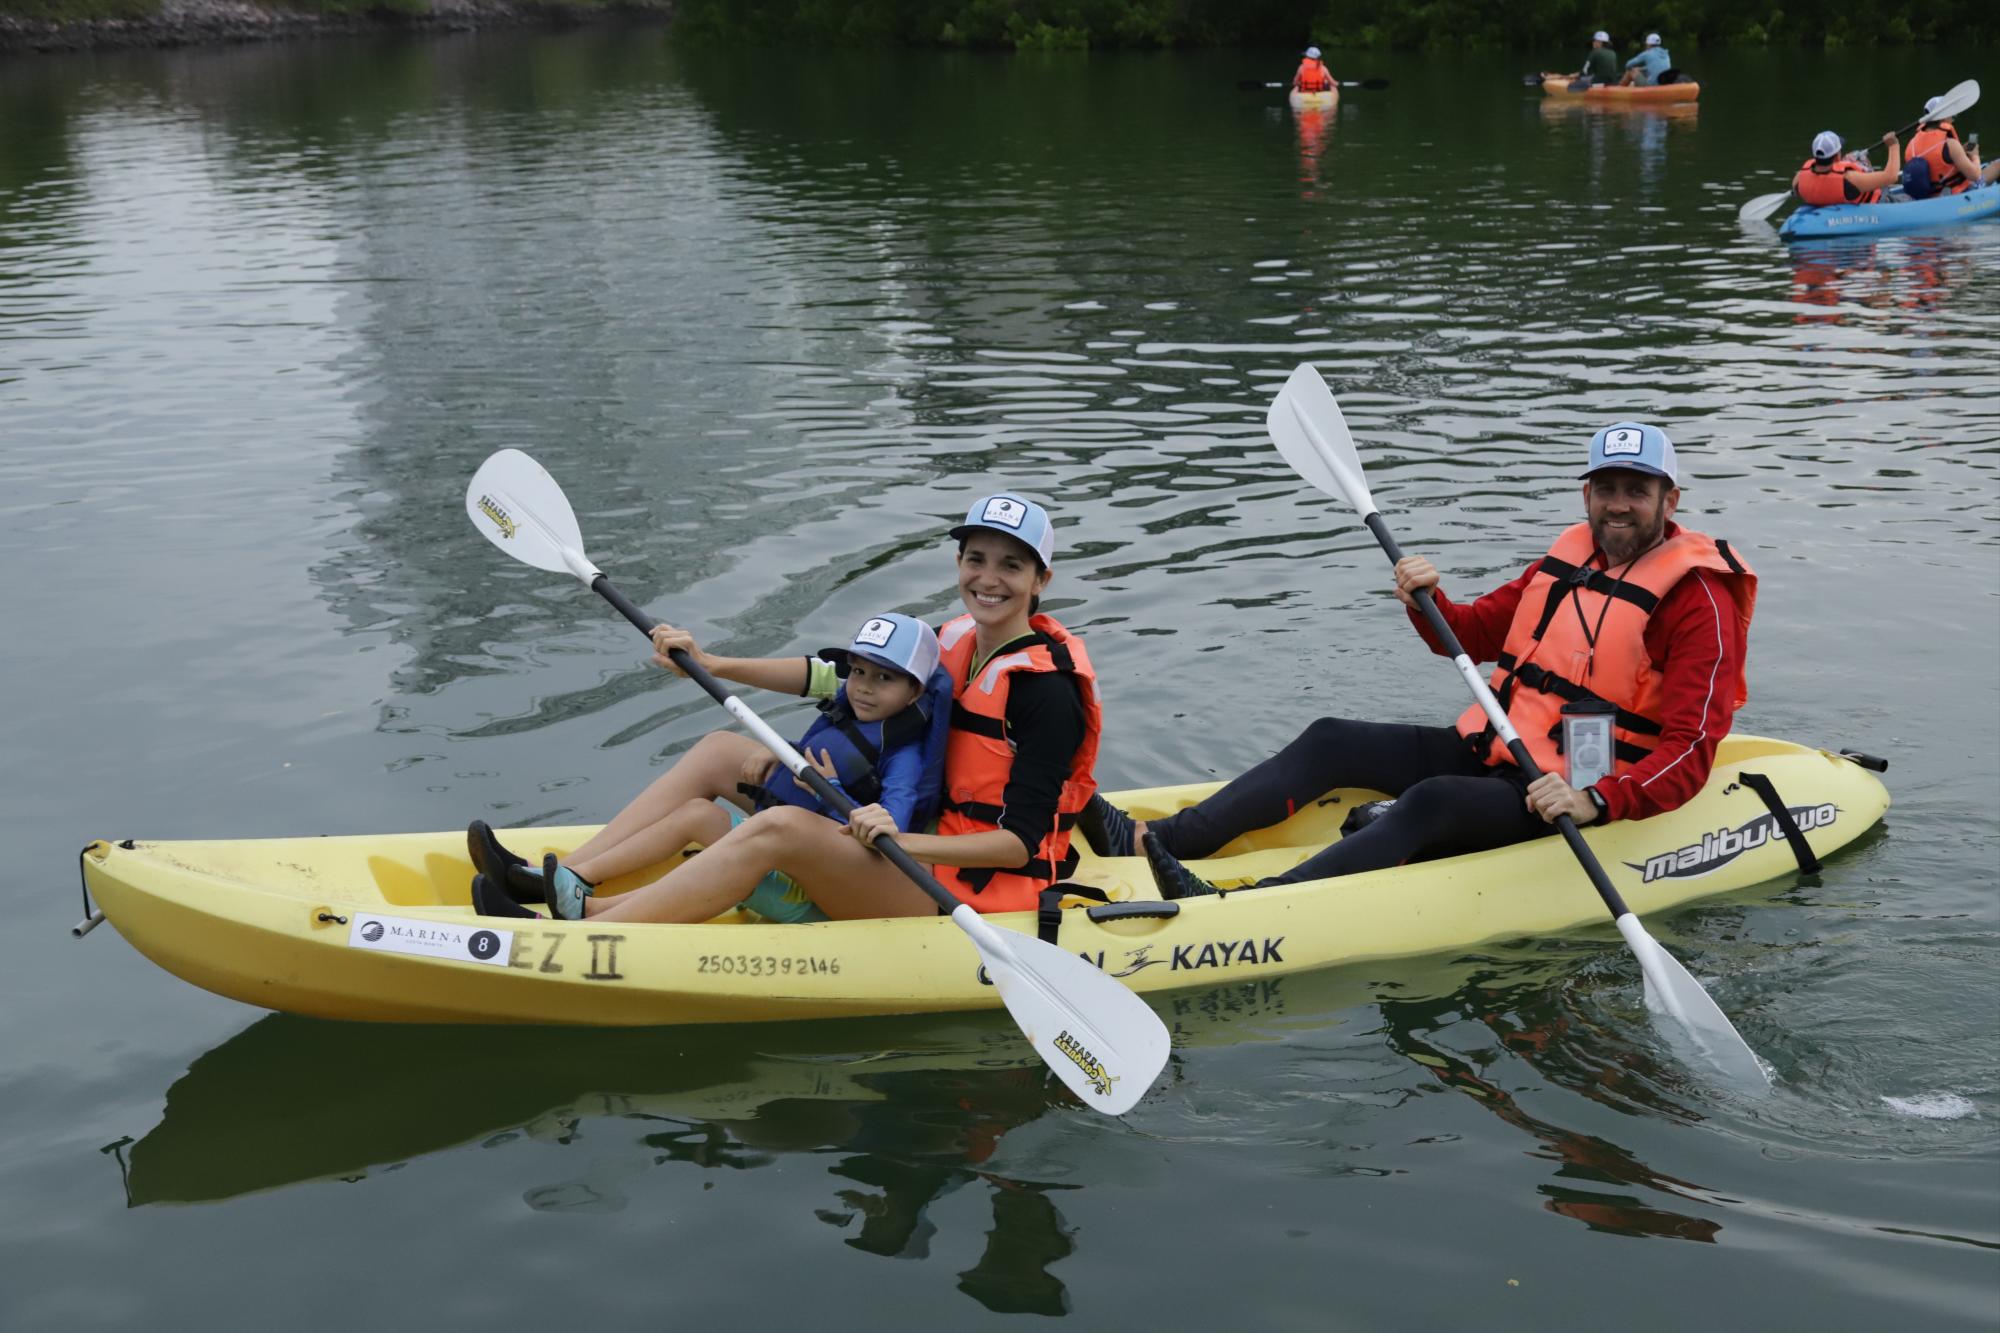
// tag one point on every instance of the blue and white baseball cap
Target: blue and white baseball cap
(1826, 146)
(1023, 520)
(1629, 445)
(1312, 53)
(1600, 36)
(1652, 39)
(899, 642)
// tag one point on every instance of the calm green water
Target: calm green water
(263, 311)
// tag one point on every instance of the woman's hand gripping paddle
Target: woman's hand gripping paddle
(1310, 432)
(1956, 102)
(1099, 1037)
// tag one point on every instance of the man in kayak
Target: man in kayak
(1312, 75)
(1019, 762)
(1644, 69)
(1601, 65)
(1939, 162)
(1628, 612)
(1830, 177)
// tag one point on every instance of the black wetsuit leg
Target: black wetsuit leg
(1332, 752)
(1440, 816)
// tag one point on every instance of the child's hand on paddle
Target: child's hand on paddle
(869, 822)
(823, 762)
(666, 638)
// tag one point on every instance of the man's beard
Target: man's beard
(1624, 545)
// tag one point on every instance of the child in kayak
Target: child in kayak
(1828, 178)
(880, 738)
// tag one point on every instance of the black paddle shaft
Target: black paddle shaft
(1571, 833)
(831, 796)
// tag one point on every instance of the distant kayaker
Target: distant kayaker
(1628, 613)
(1312, 75)
(1018, 765)
(1644, 69)
(1939, 162)
(1601, 65)
(1830, 177)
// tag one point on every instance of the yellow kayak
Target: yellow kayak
(380, 928)
(1322, 101)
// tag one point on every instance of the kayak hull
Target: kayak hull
(1612, 95)
(1883, 219)
(379, 927)
(1325, 101)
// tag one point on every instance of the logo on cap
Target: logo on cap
(1624, 441)
(1004, 510)
(877, 633)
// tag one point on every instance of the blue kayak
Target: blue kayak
(1945, 210)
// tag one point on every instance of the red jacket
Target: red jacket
(1692, 634)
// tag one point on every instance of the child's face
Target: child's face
(875, 692)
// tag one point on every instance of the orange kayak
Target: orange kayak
(1557, 85)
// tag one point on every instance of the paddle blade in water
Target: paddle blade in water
(1762, 207)
(1306, 425)
(521, 509)
(1691, 1017)
(1100, 1038)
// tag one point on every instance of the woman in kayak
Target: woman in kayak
(880, 737)
(1018, 765)
(1312, 75)
(1948, 166)
(1827, 178)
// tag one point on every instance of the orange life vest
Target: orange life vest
(1313, 77)
(1822, 189)
(979, 757)
(1549, 659)
(1928, 143)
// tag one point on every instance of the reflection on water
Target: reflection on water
(1315, 127)
(1901, 275)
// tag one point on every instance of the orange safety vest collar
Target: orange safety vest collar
(1929, 145)
(1313, 77)
(1579, 633)
(1823, 189)
(979, 757)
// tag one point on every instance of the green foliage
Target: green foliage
(1688, 25)
(76, 11)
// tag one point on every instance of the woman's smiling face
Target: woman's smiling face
(998, 577)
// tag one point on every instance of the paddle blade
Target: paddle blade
(1692, 1018)
(1762, 207)
(1306, 425)
(521, 509)
(1100, 1038)
(1956, 102)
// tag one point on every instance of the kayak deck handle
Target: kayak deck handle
(1873, 763)
(92, 916)
(1141, 908)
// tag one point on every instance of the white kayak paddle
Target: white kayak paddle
(1099, 1037)
(1309, 430)
(1956, 102)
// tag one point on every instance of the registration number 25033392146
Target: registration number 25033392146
(766, 965)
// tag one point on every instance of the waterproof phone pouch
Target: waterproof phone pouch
(1587, 740)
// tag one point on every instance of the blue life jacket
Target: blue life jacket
(860, 749)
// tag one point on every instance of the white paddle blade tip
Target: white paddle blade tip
(1307, 426)
(519, 507)
(1694, 1019)
(1100, 1038)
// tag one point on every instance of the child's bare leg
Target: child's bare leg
(708, 770)
(704, 822)
(843, 877)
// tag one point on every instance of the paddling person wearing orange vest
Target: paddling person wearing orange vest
(1830, 177)
(1939, 162)
(1312, 75)
(1631, 626)
(1018, 762)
